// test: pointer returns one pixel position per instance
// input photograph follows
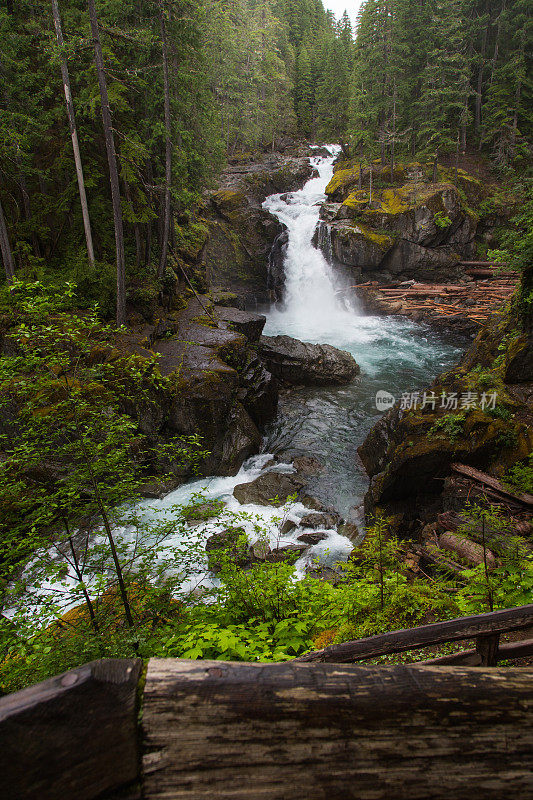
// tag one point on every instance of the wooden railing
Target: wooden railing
(486, 629)
(215, 730)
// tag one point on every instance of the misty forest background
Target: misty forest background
(193, 83)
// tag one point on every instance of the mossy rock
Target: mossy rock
(191, 239)
(359, 245)
(519, 360)
(355, 202)
(341, 183)
(228, 200)
(394, 201)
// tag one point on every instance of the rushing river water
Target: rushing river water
(394, 354)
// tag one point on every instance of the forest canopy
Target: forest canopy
(191, 83)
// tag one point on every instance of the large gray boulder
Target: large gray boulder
(296, 362)
(270, 489)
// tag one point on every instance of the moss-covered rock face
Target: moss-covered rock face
(423, 228)
(216, 386)
(408, 454)
(241, 234)
(358, 245)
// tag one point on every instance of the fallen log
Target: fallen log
(472, 552)
(493, 483)
(481, 264)
(432, 555)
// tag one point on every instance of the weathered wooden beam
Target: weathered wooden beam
(509, 619)
(73, 737)
(216, 730)
(487, 648)
(509, 651)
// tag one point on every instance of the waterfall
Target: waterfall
(315, 305)
(324, 241)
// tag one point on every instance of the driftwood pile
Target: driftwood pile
(466, 306)
(454, 542)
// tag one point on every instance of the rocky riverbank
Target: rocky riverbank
(408, 223)
(466, 439)
(224, 379)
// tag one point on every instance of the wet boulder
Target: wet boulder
(320, 520)
(270, 489)
(296, 362)
(249, 324)
(287, 552)
(229, 545)
(313, 538)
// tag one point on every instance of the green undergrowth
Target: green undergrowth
(257, 613)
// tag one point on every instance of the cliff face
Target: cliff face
(408, 227)
(240, 233)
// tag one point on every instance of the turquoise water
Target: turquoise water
(395, 354)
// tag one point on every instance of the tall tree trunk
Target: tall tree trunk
(5, 248)
(456, 170)
(168, 144)
(136, 229)
(113, 169)
(497, 44)
(74, 135)
(479, 89)
(393, 133)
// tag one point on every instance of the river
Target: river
(394, 354)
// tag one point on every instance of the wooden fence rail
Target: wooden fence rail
(485, 628)
(213, 730)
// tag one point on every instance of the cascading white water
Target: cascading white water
(394, 354)
(310, 287)
(316, 305)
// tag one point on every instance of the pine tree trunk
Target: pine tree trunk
(479, 90)
(435, 165)
(5, 248)
(74, 135)
(113, 169)
(497, 43)
(136, 229)
(168, 145)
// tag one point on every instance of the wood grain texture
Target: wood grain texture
(72, 737)
(218, 730)
(453, 630)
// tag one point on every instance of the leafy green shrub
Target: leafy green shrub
(520, 477)
(442, 220)
(449, 426)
